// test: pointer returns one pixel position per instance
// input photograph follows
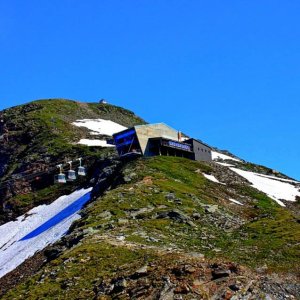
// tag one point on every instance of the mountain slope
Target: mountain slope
(41, 135)
(168, 229)
(156, 228)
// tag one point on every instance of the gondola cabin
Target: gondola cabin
(81, 171)
(60, 178)
(71, 175)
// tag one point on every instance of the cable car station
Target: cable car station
(159, 139)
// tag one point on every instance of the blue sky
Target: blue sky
(226, 72)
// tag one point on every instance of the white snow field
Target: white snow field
(212, 178)
(274, 187)
(216, 155)
(40, 227)
(97, 127)
(280, 179)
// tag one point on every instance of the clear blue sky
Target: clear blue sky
(227, 72)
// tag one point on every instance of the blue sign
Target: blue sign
(179, 146)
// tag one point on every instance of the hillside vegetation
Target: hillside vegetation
(40, 137)
(156, 228)
(166, 232)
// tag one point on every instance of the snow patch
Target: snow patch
(235, 201)
(216, 155)
(100, 126)
(97, 143)
(40, 227)
(273, 187)
(279, 179)
(94, 133)
(212, 178)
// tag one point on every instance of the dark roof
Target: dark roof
(167, 139)
(199, 141)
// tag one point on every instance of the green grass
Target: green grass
(268, 238)
(46, 195)
(48, 122)
(41, 131)
(72, 280)
(271, 230)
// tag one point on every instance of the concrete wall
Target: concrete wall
(201, 151)
(144, 132)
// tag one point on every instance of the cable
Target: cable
(5, 183)
(49, 170)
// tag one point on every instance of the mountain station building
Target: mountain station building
(159, 139)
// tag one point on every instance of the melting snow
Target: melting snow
(99, 143)
(212, 178)
(279, 179)
(100, 126)
(276, 188)
(97, 127)
(235, 201)
(40, 227)
(216, 155)
(272, 186)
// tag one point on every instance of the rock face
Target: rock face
(175, 215)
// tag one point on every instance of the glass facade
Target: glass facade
(161, 146)
(127, 143)
(154, 140)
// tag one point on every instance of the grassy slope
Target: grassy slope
(41, 132)
(268, 236)
(50, 121)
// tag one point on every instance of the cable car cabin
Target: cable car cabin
(60, 178)
(81, 171)
(71, 175)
